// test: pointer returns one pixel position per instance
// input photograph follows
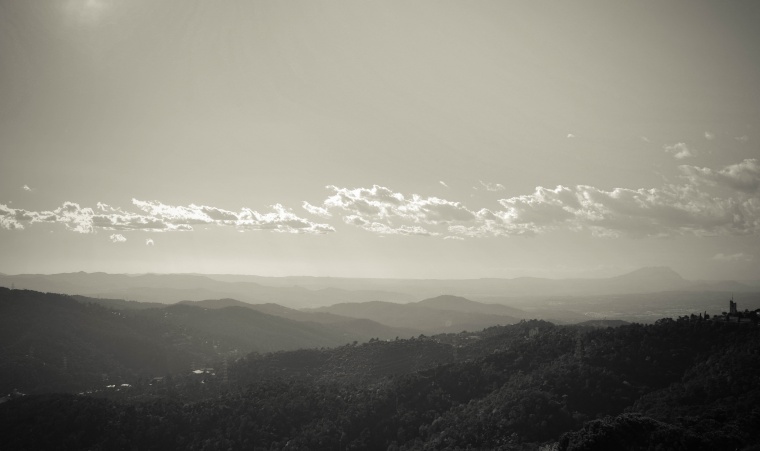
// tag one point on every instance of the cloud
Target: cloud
(738, 257)
(315, 210)
(709, 136)
(26, 188)
(386, 229)
(380, 210)
(491, 186)
(705, 202)
(280, 219)
(679, 151)
(149, 242)
(742, 139)
(158, 217)
(13, 218)
(570, 136)
(744, 176)
(117, 238)
(674, 209)
(443, 183)
(701, 201)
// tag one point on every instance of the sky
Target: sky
(425, 139)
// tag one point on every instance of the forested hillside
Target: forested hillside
(51, 342)
(685, 385)
(58, 343)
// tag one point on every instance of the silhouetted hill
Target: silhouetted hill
(419, 316)
(651, 279)
(65, 343)
(675, 385)
(603, 323)
(172, 288)
(118, 304)
(217, 303)
(251, 329)
(460, 304)
(52, 342)
(271, 309)
(310, 292)
(649, 273)
(350, 328)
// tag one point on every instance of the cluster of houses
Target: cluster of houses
(733, 315)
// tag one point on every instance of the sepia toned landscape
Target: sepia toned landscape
(379, 225)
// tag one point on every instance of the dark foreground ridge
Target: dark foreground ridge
(672, 385)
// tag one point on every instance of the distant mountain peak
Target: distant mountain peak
(446, 297)
(446, 300)
(652, 273)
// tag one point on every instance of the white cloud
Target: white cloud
(315, 210)
(149, 242)
(709, 136)
(742, 139)
(13, 218)
(703, 201)
(443, 183)
(26, 188)
(738, 257)
(491, 186)
(679, 151)
(385, 229)
(280, 219)
(159, 217)
(744, 176)
(117, 238)
(381, 204)
(706, 202)
(570, 135)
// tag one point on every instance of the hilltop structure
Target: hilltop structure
(735, 316)
(732, 316)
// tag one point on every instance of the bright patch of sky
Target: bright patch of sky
(381, 139)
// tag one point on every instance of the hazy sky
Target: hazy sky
(380, 138)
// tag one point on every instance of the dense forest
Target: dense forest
(676, 384)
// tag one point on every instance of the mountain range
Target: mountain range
(172, 288)
(313, 292)
(436, 315)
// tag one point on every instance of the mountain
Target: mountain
(675, 385)
(426, 315)
(271, 309)
(648, 279)
(118, 304)
(633, 307)
(460, 304)
(172, 288)
(310, 292)
(349, 328)
(643, 280)
(250, 329)
(53, 342)
(651, 273)
(602, 323)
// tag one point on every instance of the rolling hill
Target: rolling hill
(439, 315)
(172, 288)
(55, 342)
(353, 328)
